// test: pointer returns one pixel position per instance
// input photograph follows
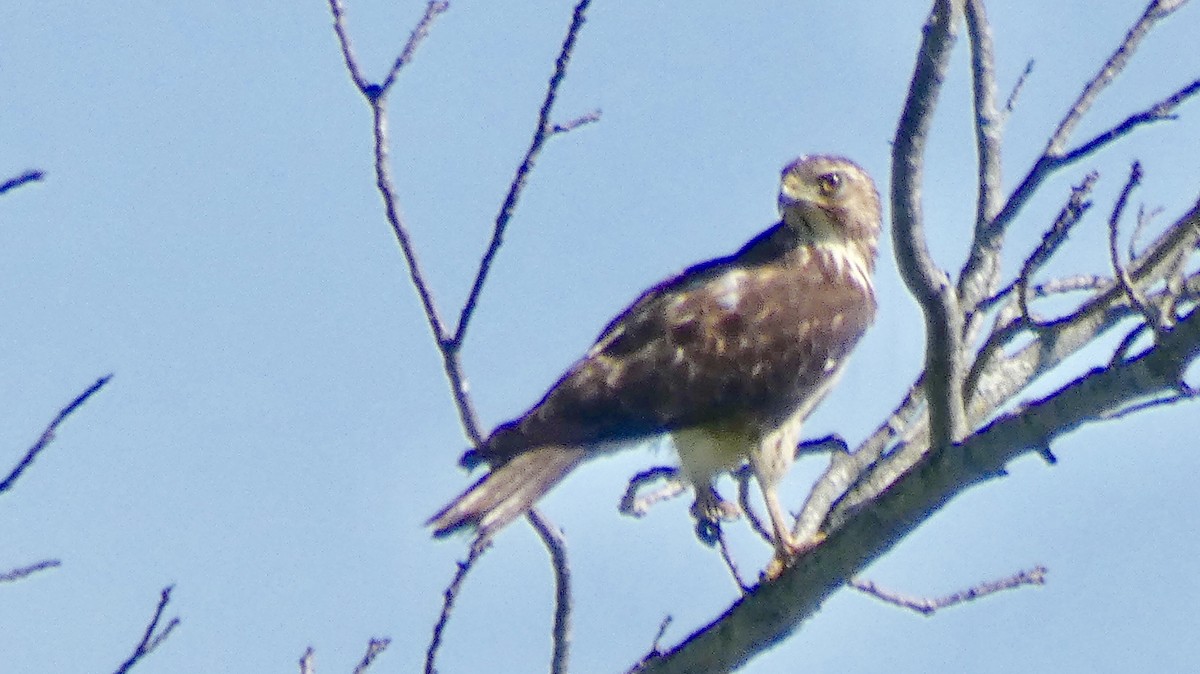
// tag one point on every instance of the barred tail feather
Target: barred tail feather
(507, 492)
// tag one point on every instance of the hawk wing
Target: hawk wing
(748, 336)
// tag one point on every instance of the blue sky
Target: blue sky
(278, 426)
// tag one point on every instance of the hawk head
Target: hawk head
(831, 203)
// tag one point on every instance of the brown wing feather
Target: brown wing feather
(722, 340)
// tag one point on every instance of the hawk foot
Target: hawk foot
(710, 510)
(787, 553)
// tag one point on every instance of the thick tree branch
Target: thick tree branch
(929, 285)
(988, 136)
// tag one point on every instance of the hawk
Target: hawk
(729, 357)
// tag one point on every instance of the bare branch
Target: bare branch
(1010, 103)
(572, 124)
(637, 505)
(730, 565)
(926, 606)
(26, 177)
(1077, 204)
(1056, 286)
(742, 477)
(449, 596)
(48, 435)
(557, 547)
(656, 645)
(845, 468)
(150, 640)
(374, 648)
(541, 133)
(432, 10)
(988, 122)
(1135, 296)
(1158, 112)
(21, 572)
(1055, 157)
(1155, 12)
(928, 284)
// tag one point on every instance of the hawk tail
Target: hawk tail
(507, 492)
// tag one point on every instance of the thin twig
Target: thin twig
(655, 646)
(552, 538)
(1071, 213)
(572, 124)
(26, 177)
(1155, 12)
(48, 435)
(1160, 111)
(730, 565)
(21, 572)
(742, 477)
(376, 97)
(929, 285)
(924, 606)
(1135, 296)
(374, 648)
(1144, 217)
(449, 596)
(150, 640)
(637, 505)
(1010, 103)
(421, 31)
(1056, 286)
(542, 131)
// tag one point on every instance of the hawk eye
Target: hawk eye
(829, 183)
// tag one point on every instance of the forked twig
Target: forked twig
(374, 648)
(450, 343)
(1056, 156)
(1134, 295)
(542, 131)
(449, 595)
(150, 640)
(925, 606)
(1077, 204)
